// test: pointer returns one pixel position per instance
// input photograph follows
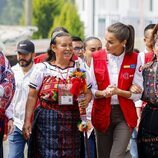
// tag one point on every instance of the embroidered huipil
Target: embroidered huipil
(45, 69)
(7, 82)
(150, 74)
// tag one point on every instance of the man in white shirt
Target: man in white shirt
(22, 71)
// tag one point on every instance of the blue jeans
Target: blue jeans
(133, 145)
(16, 144)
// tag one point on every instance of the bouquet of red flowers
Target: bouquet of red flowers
(78, 82)
(79, 88)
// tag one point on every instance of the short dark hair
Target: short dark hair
(136, 50)
(76, 38)
(154, 36)
(148, 27)
(89, 39)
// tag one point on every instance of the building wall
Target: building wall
(139, 13)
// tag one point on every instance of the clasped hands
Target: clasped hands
(114, 90)
(110, 91)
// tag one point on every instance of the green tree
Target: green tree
(69, 19)
(44, 12)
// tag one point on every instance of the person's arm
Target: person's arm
(137, 84)
(84, 101)
(96, 93)
(100, 93)
(30, 104)
(113, 90)
(9, 114)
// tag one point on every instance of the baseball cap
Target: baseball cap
(25, 46)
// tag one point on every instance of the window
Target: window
(101, 27)
(151, 5)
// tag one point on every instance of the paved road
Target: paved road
(5, 148)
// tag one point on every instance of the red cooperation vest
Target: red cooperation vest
(101, 107)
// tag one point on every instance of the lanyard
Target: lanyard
(67, 75)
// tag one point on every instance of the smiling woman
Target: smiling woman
(54, 130)
(62, 49)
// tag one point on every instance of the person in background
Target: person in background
(148, 129)
(43, 57)
(147, 37)
(54, 132)
(22, 72)
(7, 88)
(113, 73)
(91, 44)
(78, 47)
(133, 140)
(146, 56)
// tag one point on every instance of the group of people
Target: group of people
(41, 96)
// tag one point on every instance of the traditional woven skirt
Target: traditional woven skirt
(148, 133)
(55, 134)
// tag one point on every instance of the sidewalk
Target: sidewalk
(5, 149)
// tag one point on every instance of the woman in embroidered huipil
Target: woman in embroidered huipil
(7, 89)
(148, 128)
(54, 132)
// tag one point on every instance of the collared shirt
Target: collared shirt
(114, 65)
(17, 106)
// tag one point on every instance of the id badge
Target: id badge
(64, 95)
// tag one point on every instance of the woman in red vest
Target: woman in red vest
(113, 72)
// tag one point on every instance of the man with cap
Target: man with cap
(22, 72)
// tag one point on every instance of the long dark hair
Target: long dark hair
(49, 51)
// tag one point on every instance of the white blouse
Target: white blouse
(46, 69)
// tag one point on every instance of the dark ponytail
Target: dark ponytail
(124, 32)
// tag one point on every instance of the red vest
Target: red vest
(101, 107)
(149, 57)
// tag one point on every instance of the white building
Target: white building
(98, 14)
